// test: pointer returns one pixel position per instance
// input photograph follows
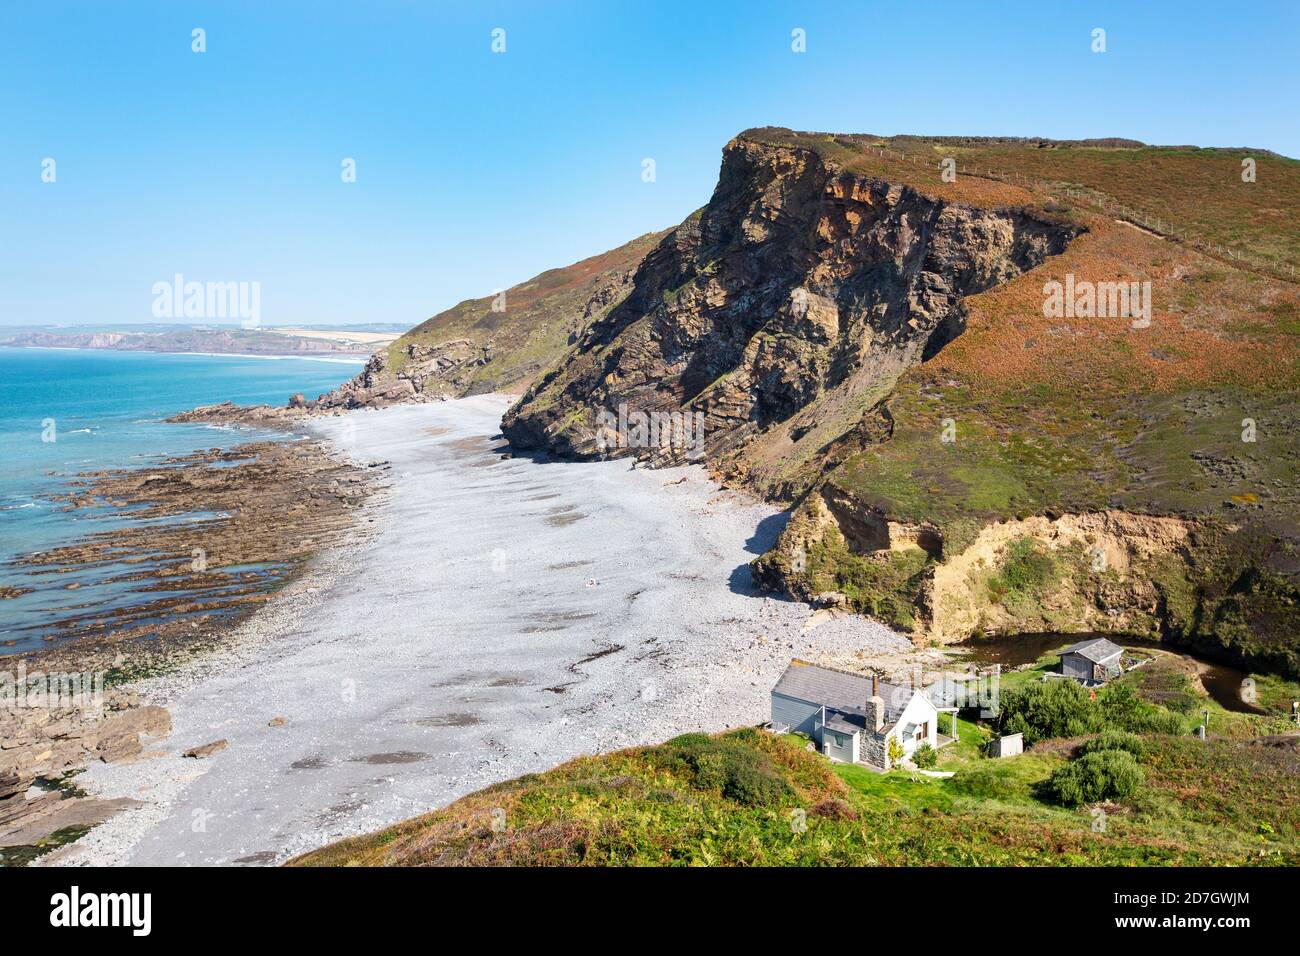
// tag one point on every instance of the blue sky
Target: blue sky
(477, 170)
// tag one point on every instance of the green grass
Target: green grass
(1047, 664)
(883, 586)
(1275, 693)
(1222, 802)
(972, 739)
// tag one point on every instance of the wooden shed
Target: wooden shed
(1095, 660)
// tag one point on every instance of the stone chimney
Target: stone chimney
(875, 706)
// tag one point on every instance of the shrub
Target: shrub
(1115, 740)
(1121, 707)
(1063, 708)
(925, 757)
(1156, 720)
(1059, 708)
(1120, 704)
(1100, 775)
(731, 765)
(753, 784)
(1024, 570)
(833, 809)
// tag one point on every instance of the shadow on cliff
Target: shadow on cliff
(769, 529)
(741, 580)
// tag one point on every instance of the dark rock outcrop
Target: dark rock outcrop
(797, 280)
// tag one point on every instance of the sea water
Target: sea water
(67, 411)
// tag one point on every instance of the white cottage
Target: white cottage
(851, 717)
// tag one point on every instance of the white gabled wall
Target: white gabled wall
(918, 710)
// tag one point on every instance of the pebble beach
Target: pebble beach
(496, 615)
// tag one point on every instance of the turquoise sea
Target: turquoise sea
(106, 409)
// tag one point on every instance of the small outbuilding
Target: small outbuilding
(1008, 745)
(1093, 661)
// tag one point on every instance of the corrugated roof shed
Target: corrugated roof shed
(1096, 649)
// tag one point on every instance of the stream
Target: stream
(1222, 683)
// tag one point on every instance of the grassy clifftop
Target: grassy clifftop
(538, 320)
(747, 798)
(1194, 190)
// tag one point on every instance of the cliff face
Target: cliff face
(496, 343)
(798, 282)
(844, 328)
(414, 373)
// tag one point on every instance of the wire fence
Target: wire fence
(1277, 269)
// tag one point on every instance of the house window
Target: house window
(923, 732)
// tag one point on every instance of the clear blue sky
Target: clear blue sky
(477, 170)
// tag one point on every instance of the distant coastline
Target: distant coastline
(352, 345)
(345, 358)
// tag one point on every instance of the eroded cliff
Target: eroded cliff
(846, 328)
(795, 298)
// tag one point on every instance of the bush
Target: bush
(1122, 708)
(731, 765)
(1024, 570)
(1063, 708)
(1100, 775)
(1120, 705)
(833, 809)
(925, 757)
(1156, 720)
(1115, 740)
(1058, 708)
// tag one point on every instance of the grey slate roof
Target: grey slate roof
(844, 692)
(1096, 649)
(845, 723)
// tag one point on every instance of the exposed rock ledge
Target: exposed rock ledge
(798, 290)
(41, 741)
(1100, 571)
(431, 373)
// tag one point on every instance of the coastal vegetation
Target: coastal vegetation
(1183, 802)
(1114, 777)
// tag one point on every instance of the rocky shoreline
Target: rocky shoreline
(212, 537)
